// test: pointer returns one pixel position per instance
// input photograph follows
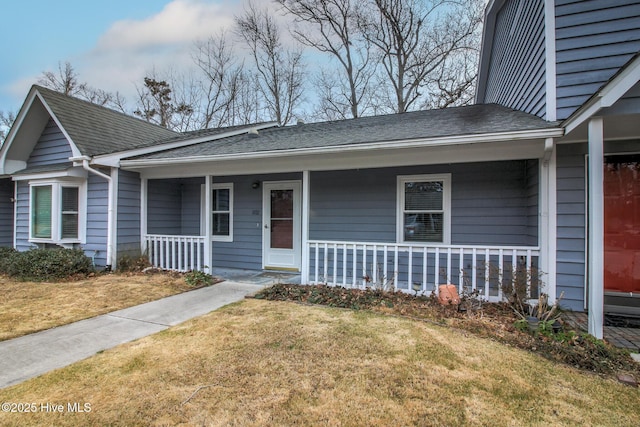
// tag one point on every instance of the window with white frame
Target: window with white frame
(55, 212)
(424, 208)
(221, 212)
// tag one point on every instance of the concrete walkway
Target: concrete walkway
(35, 354)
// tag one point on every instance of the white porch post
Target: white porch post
(208, 259)
(596, 227)
(144, 194)
(306, 199)
(548, 219)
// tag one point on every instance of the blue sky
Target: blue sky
(111, 44)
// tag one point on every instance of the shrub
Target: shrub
(198, 279)
(132, 263)
(6, 258)
(49, 264)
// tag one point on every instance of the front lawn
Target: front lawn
(27, 307)
(277, 363)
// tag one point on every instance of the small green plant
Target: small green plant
(6, 258)
(198, 279)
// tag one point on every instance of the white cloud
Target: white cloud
(179, 22)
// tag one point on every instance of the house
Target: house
(474, 196)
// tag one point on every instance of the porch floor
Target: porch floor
(628, 338)
(256, 277)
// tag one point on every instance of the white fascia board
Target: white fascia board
(606, 96)
(113, 159)
(420, 143)
(70, 173)
(74, 148)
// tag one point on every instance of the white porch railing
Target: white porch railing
(178, 253)
(421, 268)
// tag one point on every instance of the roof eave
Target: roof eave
(555, 132)
(114, 159)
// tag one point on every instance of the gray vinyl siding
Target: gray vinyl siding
(164, 207)
(191, 206)
(516, 76)
(594, 38)
(489, 203)
(52, 147)
(246, 249)
(97, 214)
(571, 225)
(128, 224)
(22, 214)
(6, 213)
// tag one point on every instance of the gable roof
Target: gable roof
(99, 130)
(455, 122)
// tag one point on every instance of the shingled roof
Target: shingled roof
(99, 130)
(429, 124)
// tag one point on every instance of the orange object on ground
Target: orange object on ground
(448, 295)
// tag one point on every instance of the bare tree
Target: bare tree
(335, 31)
(66, 81)
(220, 85)
(6, 121)
(279, 69)
(414, 39)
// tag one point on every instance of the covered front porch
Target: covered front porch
(475, 225)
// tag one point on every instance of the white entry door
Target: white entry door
(282, 240)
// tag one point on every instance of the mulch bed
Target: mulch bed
(488, 320)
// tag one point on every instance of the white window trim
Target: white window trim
(56, 211)
(205, 211)
(446, 205)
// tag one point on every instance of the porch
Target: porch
(474, 225)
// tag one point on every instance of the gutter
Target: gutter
(84, 162)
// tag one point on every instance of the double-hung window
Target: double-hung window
(424, 208)
(221, 212)
(55, 212)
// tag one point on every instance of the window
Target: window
(424, 213)
(221, 212)
(55, 212)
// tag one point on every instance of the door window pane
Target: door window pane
(282, 219)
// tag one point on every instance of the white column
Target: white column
(112, 245)
(596, 227)
(208, 259)
(548, 220)
(306, 199)
(144, 191)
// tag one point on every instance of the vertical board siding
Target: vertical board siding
(6, 213)
(97, 212)
(52, 147)
(128, 224)
(516, 76)
(571, 224)
(594, 38)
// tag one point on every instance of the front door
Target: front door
(282, 241)
(622, 224)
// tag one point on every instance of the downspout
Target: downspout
(84, 162)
